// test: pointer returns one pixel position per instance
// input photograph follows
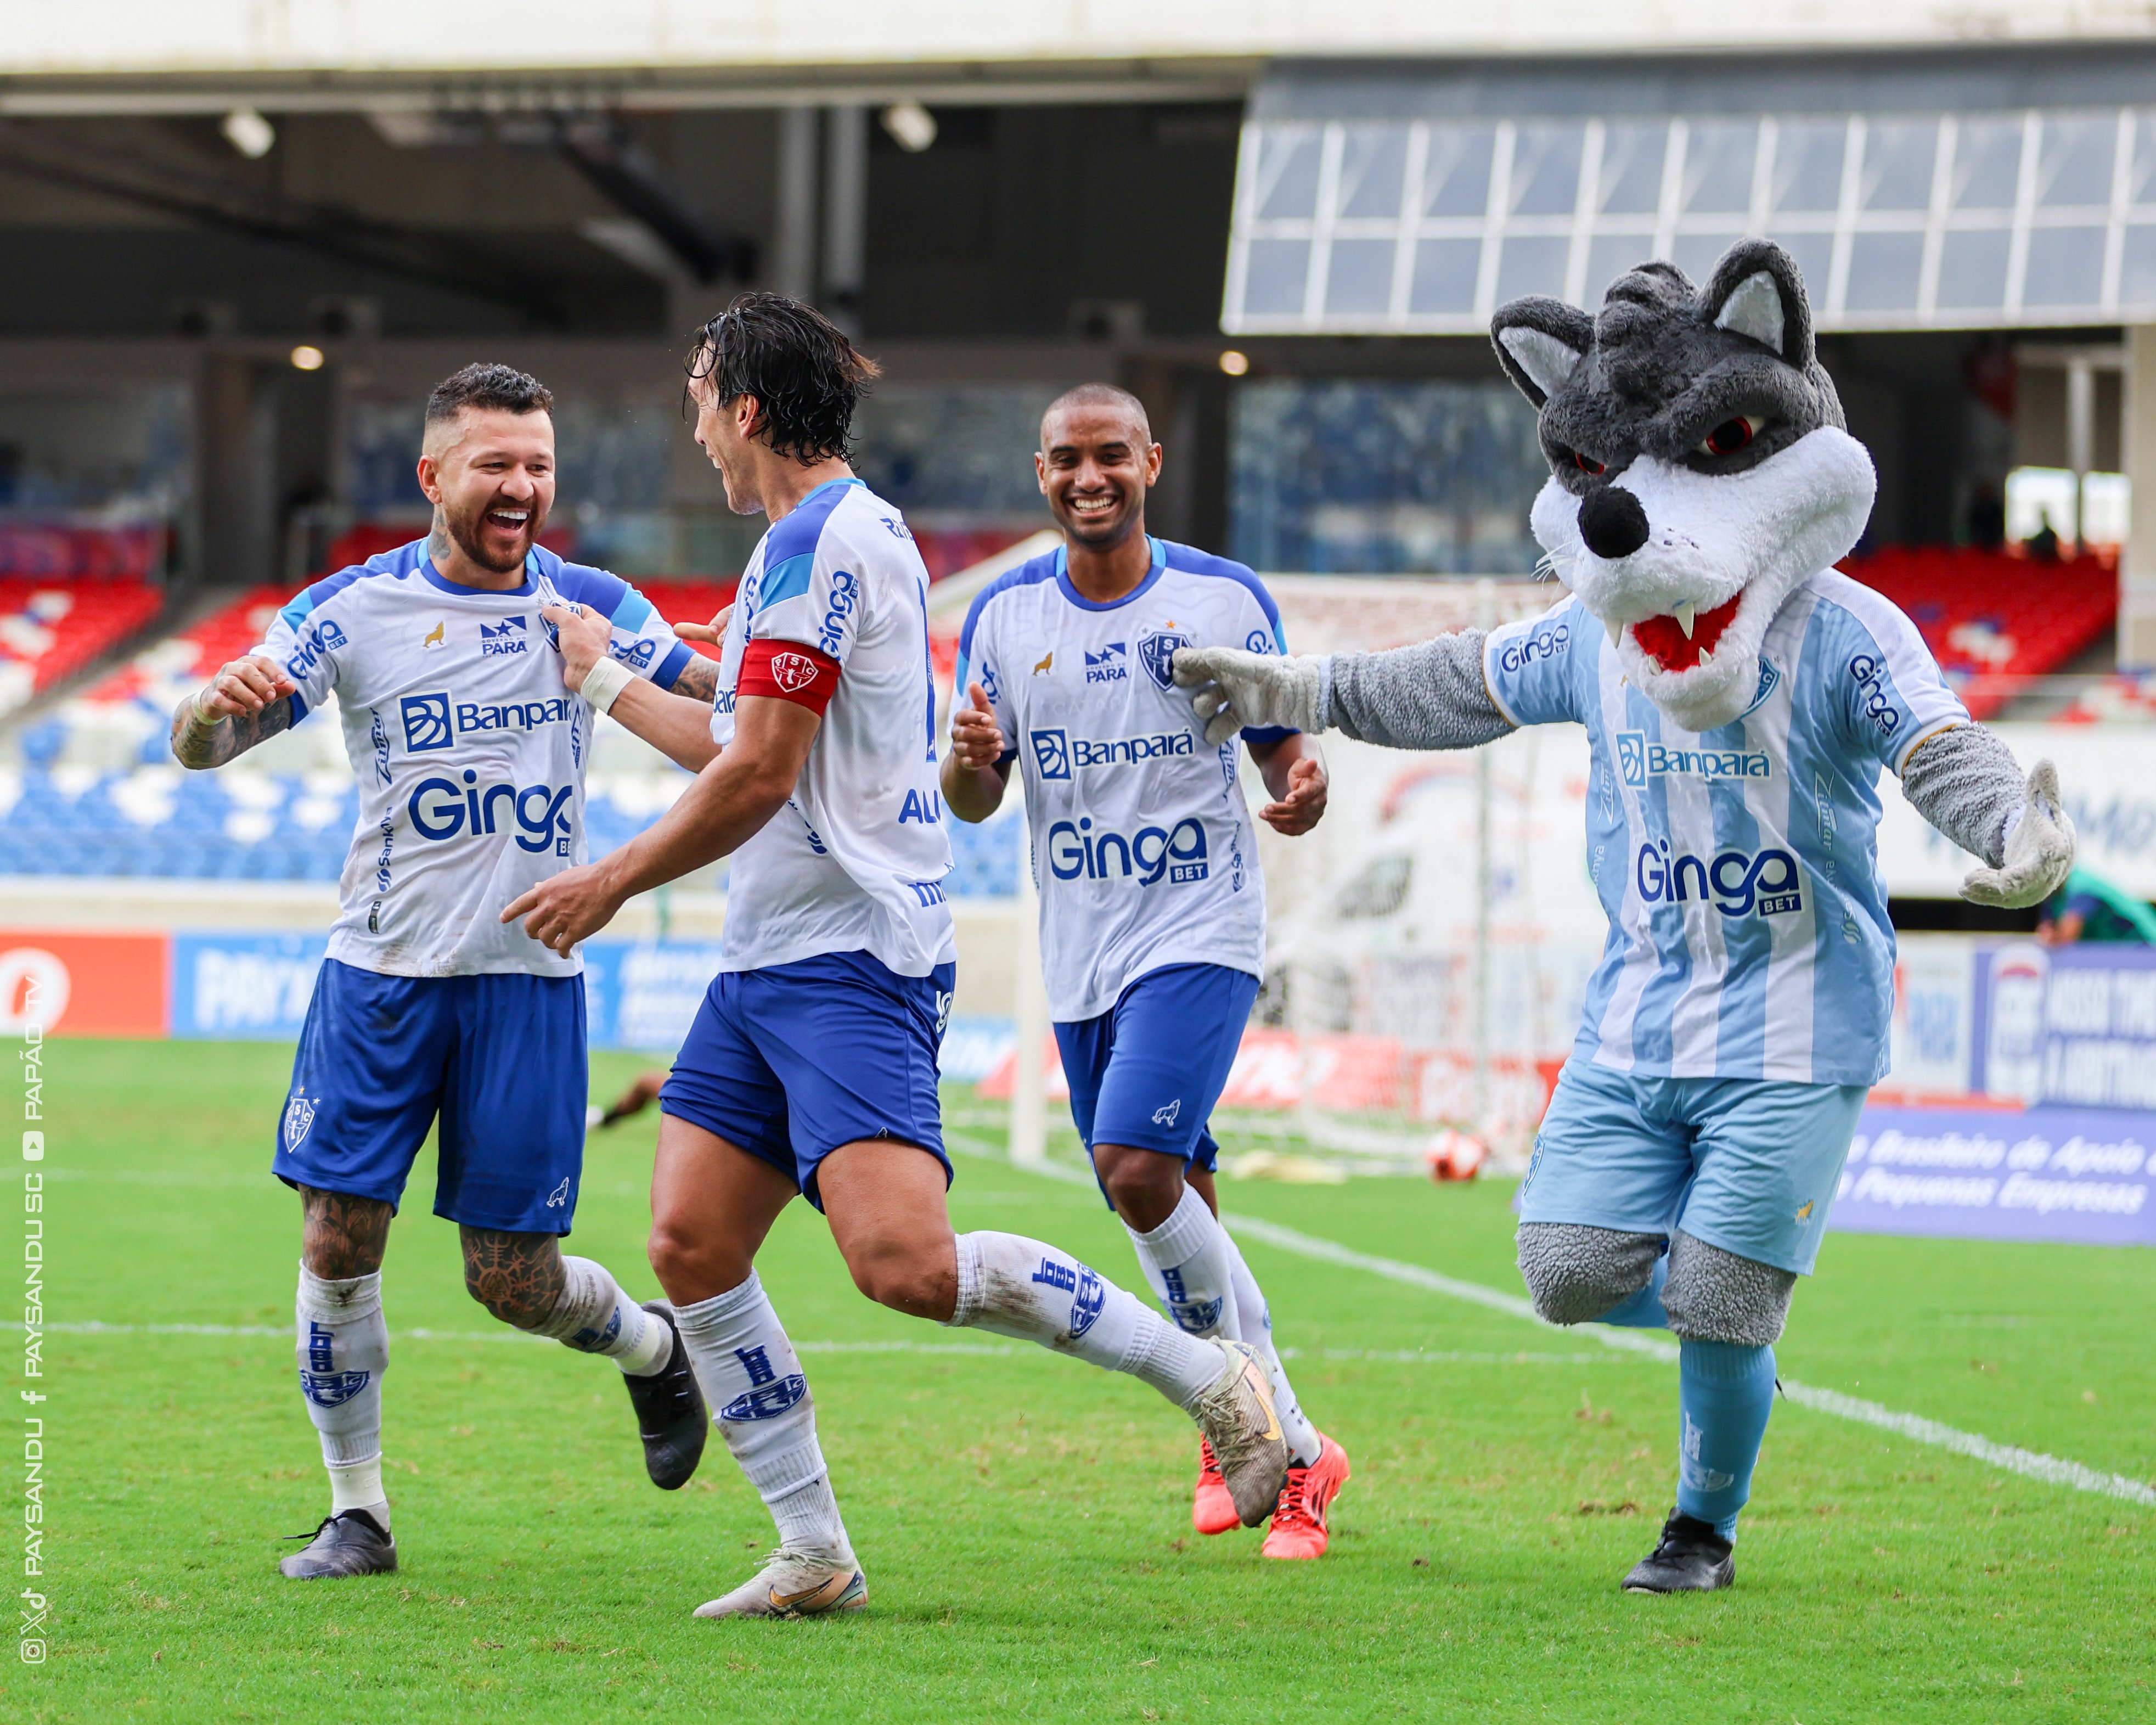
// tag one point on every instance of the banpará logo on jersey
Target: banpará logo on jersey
(1737, 883)
(325, 637)
(510, 635)
(1870, 676)
(831, 632)
(1156, 653)
(433, 722)
(1543, 643)
(1058, 754)
(441, 810)
(1109, 666)
(792, 671)
(427, 723)
(1642, 760)
(1150, 855)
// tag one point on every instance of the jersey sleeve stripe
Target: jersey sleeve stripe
(789, 580)
(673, 664)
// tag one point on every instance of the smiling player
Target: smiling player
(1152, 911)
(472, 757)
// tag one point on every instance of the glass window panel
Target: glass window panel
(1717, 172)
(1808, 165)
(1898, 155)
(1455, 179)
(1531, 265)
(1973, 269)
(1697, 253)
(1883, 269)
(1445, 276)
(2073, 166)
(1372, 162)
(2066, 267)
(1609, 256)
(1359, 277)
(2141, 186)
(1987, 164)
(1287, 174)
(1546, 169)
(2136, 277)
(1273, 281)
(1813, 253)
(1632, 167)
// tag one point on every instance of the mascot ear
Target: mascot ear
(1756, 290)
(1540, 342)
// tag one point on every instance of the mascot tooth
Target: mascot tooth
(1741, 700)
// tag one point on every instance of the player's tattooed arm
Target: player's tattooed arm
(518, 1277)
(342, 1236)
(699, 680)
(248, 701)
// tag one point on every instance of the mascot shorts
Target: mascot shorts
(1747, 1164)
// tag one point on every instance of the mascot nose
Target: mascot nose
(1612, 523)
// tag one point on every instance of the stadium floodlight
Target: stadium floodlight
(248, 132)
(1234, 362)
(307, 357)
(911, 126)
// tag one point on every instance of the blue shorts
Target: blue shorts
(500, 1059)
(791, 1061)
(1747, 1164)
(1148, 1073)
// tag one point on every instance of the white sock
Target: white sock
(1186, 1264)
(1015, 1286)
(344, 1350)
(594, 1316)
(1255, 1316)
(752, 1379)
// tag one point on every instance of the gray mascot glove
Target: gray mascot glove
(1235, 688)
(2040, 850)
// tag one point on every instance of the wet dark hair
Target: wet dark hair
(805, 375)
(486, 385)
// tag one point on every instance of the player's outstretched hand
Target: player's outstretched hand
(246, 685)
(566, 908)
(976, 739)
(710, 633)
(584, 637)
(1304, 805)
(2040, 850)
(1236, 689)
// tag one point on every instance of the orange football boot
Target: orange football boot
(1212, 1510)
(1298, 1528)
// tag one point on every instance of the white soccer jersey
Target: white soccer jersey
(1142, 842)
(1748, 933)
(470, 750)
(834, 605)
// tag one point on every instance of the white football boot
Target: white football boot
(794, 1583)
(1236, 1416)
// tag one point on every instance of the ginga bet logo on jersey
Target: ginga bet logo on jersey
(1737, 883)
(1544, 642)
(1150, 854)
(325, 637)
(442, 809)
(1058, 754)
(435, 722)
(1870, 676)
(1642, 759)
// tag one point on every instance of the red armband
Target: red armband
(791, 672)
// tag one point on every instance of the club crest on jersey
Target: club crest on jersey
(509, 635)
(792, 671)
(299, 1116)
(332, 1389)
(1156, 653)
(426, 722)
(1768, 677)
(768, 1395)
(1108, 665)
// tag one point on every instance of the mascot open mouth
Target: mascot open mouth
(1665, 640)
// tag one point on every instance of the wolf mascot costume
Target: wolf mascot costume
(1740, 697)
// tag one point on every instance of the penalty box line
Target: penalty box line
(2011, 1458)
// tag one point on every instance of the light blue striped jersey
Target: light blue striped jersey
(1748, 933)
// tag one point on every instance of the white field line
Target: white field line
(2032, 1464)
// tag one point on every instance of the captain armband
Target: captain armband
(789, 671)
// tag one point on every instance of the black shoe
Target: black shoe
(351, 1543)
(670, 1414)
(1691, 1558)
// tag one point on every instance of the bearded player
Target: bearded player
(1153, 909)
(470, 756)
(810, 1070)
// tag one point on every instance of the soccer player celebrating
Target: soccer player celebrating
(1153, 909)
(470, 755)
(811, 1067)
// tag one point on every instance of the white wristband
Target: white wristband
(603, 683)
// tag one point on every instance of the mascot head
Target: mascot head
(1700, 466)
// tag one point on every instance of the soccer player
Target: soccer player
(470, 755)
(1153, 909)
(811, 1067)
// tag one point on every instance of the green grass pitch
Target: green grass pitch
(1023, 1520)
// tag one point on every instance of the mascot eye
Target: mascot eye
(1587, 463)
(1730, 436)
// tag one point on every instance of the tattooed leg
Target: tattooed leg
(525, 1280)
(341, 1236)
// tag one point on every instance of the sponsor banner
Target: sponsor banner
(2078, 1176)
(643, 994)
(2073, 1026)
(248, 988)
(82, 984)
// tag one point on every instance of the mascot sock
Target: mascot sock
(1725, 1391)
(1643, 1310)
(344, 1349)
